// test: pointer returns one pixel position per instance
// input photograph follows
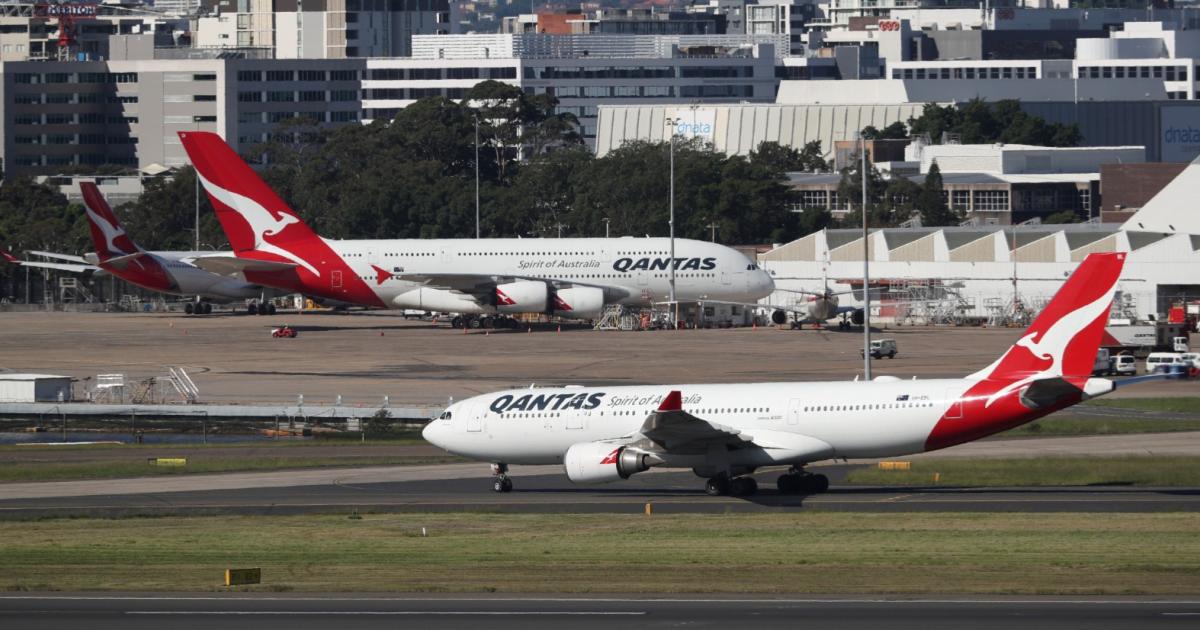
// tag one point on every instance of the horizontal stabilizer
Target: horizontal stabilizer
(1048, 392)
(67, 257)
(68, 267)
(231, 265)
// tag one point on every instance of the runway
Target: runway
(465, 487)
(266, 612)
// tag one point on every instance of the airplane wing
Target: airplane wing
(232, 265)
(70, 267)
(67, 257)
(482, 285)
(670, 429)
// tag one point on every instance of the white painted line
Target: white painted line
(384, 613)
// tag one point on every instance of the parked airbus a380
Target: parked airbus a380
(174, 273)
(725, 432)
(572, 277)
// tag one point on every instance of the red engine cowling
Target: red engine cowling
(524, 296)
(579, 302)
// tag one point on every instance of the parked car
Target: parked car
(882, 348)
(1124, 365)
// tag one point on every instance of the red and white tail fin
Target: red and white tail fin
(253, 216)
(1064, 339)
(108, 237)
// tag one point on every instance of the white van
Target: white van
(1162, 362)
(882, 348)
(1124, 365)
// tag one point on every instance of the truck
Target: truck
(1146, 338)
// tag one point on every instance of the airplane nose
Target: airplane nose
(430, 432)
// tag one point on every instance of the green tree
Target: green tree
(1063, 216)
(164, 216)
(879, 213)
(786, 159)
(931, 202)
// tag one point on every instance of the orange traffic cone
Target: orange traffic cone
(559, 328)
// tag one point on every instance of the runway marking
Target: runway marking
(394, 613)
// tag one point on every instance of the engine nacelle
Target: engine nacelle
(524, 296)
(779, 317)
(857, 317)
(579, 302)
(597, 462)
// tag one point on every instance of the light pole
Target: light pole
(713, 231)
(671, 122)
(476, 174)
(197, 174)
(862, 143)
(605, 219)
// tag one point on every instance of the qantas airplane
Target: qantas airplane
(725, 432)
(573, 277)
(174, 273)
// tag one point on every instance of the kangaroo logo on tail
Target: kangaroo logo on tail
(108, 236)
(262, 222)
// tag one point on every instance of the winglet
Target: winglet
(9, 257)
(673, 402)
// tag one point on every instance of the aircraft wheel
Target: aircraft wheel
(486, 322)
(189, 308)
(788, 484)
(252, 309)
(717, 486)
(457, 322)
(208, 308)
(816, 484)
(502, 484)
(474, 323)
(270, 309)
(743, 487)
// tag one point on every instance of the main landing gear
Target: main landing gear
(502, 482)
(486, 321)
(797, 481)
(197, 308)
(722, 485)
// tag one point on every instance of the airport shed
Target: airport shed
(30, 388)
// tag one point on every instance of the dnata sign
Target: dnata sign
(1180, 135)
(693, 123)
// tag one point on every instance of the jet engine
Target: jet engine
(857, 317)
(524, 296)
(579, 302)
(779, 317)
(597, 462)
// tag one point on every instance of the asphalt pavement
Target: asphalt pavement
(296, 612)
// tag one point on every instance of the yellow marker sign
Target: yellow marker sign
(168, 461)
(234, 577)
(895, 465)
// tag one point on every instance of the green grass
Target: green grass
(810, 552)
(1091, 425)
(1177, 405)
(63, 471)
(416, 440)
(1136, 470)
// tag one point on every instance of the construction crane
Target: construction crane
(66, 13)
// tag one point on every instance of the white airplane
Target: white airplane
(174, 273)
(725, 432)
(573, 277)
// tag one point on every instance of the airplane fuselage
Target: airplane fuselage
(631, 271)
(172, 272)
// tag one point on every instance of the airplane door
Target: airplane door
(725, 278)
(955, 410)
(445, 256)
(335, 279)
(793, 416)
(574, 422)
(641, 278)
(475, 418)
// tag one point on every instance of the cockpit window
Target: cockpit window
(445, 415)
(752, 267)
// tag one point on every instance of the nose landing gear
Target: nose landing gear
(502, 482)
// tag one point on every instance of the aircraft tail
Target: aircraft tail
(108, 237)
(1169, 210)
(1064, 338)
(251, 214)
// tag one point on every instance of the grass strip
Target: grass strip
(1070, 425)
(64, 471)
(1183, 404)
(1132, 470)
(810, 552)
